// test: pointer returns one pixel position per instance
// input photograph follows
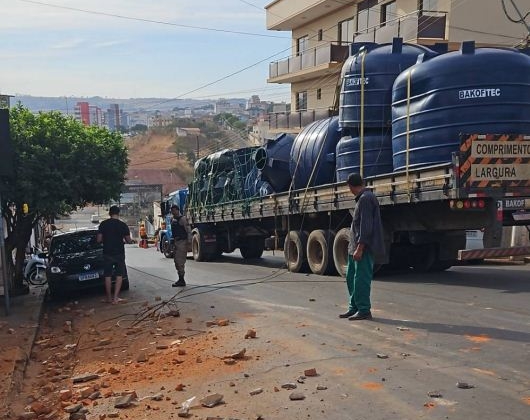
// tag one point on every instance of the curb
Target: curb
(19, 366)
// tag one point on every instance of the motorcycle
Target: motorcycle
(35, 269)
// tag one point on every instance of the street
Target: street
(469, 325)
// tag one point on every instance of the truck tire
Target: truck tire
(202, 250)
(253, 248)
(340, 251)
(294, 251)
(197, 246)
(320, 251)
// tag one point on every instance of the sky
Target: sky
(139, 49)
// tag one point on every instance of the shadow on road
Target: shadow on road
(472, 330)
(516, 280)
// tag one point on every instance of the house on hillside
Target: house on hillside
(191, 131)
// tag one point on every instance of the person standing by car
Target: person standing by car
(113, 233)
(366, 243)
(181, 235)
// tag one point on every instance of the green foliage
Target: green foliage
(139, 128)
(230, 120)
(61, 165)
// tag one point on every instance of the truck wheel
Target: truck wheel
(294, 251)
(340, 251)
(320, 251)
(197, 247)
(253, 248)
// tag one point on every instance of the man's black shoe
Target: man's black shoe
(347, 314)
(357, 316)
(180, 283)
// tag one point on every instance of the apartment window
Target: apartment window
(428, 6)
(368, 15)
(346, 30)
(388, 13)
(319, 94)
(302, 44)
(301, 101)
(319, 35)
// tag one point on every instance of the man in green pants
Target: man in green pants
(366, 243)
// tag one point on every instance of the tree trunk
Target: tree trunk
(18, 240)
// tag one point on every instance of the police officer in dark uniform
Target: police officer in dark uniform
(181, 234)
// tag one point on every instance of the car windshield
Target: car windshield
(70, 244)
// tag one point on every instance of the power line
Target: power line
(159, 22)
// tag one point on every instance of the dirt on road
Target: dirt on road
(141, 360)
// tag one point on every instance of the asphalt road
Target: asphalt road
(470, 324)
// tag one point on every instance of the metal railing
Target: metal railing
(312, 57)
(297, 120)
(410, 27)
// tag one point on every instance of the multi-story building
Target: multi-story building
(95, 115)
(223, 105)
(113, 119)
(322, 31)
(82, 112)
(256, 108)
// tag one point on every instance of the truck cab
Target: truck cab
(165, 238)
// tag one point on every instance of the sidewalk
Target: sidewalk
(17, 334)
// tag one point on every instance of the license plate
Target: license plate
(88, 276)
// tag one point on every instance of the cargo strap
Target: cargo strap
(407, 161)
(361, 132)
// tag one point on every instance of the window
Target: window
(388, 13)
(301, 101)
(346, 30)
(428, 6)
(319, 35)
(319, 94)
(368, 15)
(302, 44)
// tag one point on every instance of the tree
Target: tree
(139, 128)
(60, 165)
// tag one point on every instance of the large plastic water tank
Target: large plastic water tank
(374, 67)
(471, 91)
(377, 154)
(313, 153)
(272, 160)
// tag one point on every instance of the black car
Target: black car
(75, 261)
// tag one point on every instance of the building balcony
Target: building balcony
(311, 63)
(285, 15)
(424, 28)
(293, 122)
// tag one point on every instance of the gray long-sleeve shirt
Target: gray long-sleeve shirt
(366, 226)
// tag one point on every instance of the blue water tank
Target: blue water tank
(471, 91)
(374, 66)
(272, 160)
(377, 154)
(313, 153)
